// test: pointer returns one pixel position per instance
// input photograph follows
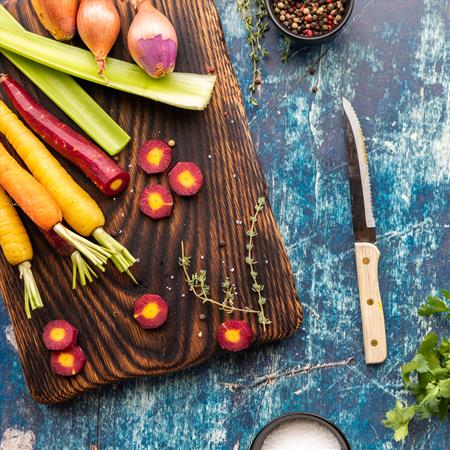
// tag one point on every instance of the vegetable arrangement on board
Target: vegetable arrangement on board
(48, 194)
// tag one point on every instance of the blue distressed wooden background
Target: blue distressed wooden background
(392, 63)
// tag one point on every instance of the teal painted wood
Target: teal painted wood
(391, 64)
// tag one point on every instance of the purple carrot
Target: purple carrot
(61, 246)
(93, 162)
(80, 268)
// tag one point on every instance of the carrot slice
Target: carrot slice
(59, 335)
(150, 311)
(156, 201)
(68, 362)
(186, 178)
(235, 335)
(154, 157)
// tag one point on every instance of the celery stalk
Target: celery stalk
(70, 97)
(184, 90)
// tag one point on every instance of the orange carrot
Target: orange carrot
(28, 193)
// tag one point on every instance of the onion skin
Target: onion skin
(152, 41)
(98, 25)
(58, 17)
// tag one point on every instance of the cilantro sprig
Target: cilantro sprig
(426, 376)
(435, 305)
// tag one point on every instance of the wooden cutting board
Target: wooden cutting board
(218, 139)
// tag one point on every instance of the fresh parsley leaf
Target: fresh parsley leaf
(445, 293)
(398, 420)
(434, 305)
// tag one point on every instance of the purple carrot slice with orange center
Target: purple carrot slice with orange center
(59, 335)
(154, 157)
(186, 178)
(68, 362)
(156, 201)
(150, 311)
(234, 335)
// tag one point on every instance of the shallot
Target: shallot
(152, 41)
(98, 25)
(57, 17)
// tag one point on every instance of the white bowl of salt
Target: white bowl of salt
(300, 431)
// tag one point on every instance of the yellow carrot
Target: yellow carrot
(79, 210)
(16, 246)
(14, 240)
(41, 208)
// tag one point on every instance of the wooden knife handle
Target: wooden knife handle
(374, 331)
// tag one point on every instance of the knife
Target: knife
(366, 252)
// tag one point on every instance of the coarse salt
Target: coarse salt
(301, 435)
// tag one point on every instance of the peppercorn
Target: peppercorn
(309, 17)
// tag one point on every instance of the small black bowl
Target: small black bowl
(315, 39)
(264, 432)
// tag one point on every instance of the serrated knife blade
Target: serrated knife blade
(366, 252)
(360, 189)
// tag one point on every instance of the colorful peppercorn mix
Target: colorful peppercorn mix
(310, 18)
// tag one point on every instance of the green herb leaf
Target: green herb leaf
(417, 364)
(431, 364)
(434, 305)
(398, 420)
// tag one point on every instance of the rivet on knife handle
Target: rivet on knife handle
(374, 332)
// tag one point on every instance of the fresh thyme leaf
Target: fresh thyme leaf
(256, 25)
(197, 282)
(434, 305)
(251, 262)
(398, 420)
(287, 42)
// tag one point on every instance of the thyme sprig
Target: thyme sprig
(197, 283)
(251, 263)
(286, 52)
(256, 25)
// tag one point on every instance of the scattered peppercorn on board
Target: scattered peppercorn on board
(212, 225)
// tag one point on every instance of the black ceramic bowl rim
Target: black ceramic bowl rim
(315, 39)
(266, 430)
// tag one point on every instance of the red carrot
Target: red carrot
(94, 163)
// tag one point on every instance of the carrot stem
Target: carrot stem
(95, 253)
(81, 268)
(120, 256)
(32, 297)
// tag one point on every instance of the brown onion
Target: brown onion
(98, 26)
(58, 17)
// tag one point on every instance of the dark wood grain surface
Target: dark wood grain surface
(218, 140)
